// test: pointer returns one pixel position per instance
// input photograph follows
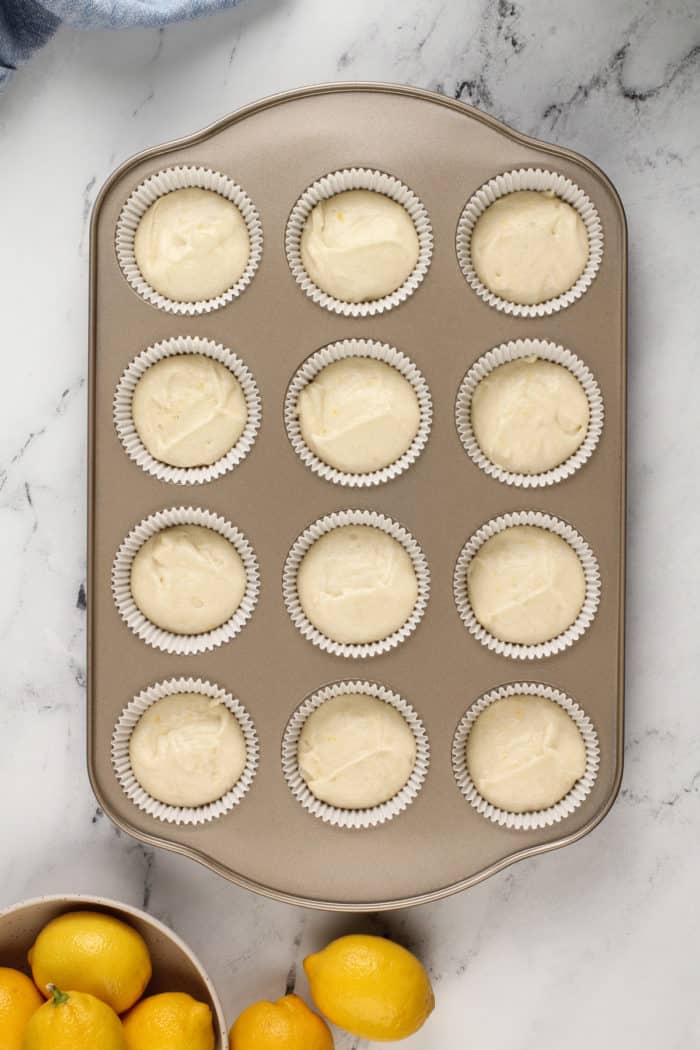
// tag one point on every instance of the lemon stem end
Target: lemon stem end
(58, 998)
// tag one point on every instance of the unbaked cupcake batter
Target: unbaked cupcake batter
(187, 579)
(187, 750)
(192, 245)
(526, 585)
(357, 584)
(529, 246)
(189, 410)
(359, 245)
(525, 753)
(529, 415)
(359, 415)
(356, 751)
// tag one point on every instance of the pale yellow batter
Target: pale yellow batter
(528, 416)
(525, 753)
(189, 410)
(357, 584)
(356, 751)
(359, 415)
(529, 246)
(187, 750)
(187, 579)
(359, 245)
(191, 245)
(526, 585)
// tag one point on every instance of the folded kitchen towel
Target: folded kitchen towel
(27, 24)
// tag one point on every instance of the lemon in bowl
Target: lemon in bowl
(74, 1021)
(19, 1000)
(95, 953)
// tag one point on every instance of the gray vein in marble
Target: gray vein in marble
(63, 402)
(159, 44)
(431, 29)
(144, 102)
(614, 73)
(689, 790)
(498, 33)
(88, 201)
(291, 981)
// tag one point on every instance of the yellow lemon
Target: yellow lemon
(94, 953)
(371, 987)
(171, 1021)
(74, 1021)
(19, 999)
(287, 1024)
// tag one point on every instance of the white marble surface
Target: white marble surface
(592, 945)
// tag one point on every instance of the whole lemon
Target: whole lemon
(19, 999)
(74, 1021)
(371, 987)
(171, 1021)
(287, 1024)
(94, 953)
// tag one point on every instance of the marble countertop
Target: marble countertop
(596, 944)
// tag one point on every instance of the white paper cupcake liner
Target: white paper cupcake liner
(353, 818)
(542, 818)
(158, 185)
(358, 179)
(591, 574)
(338, 352)
(306, 540)
(167, 641)
(129, 436)
(121, 761)
(530, 179)
(514, 351)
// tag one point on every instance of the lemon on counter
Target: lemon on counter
(74, 1021)
(371, 987)
(19, 999)
(170, 1021)
(287, 1024)
(94, 953)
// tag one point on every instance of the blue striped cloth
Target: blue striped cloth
(27, 24)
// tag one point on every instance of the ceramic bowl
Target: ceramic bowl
(175, 967)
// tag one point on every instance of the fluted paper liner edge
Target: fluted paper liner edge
(543, 818)
(354, 818)
(121, 762)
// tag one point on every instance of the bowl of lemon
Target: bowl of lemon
(82, 973)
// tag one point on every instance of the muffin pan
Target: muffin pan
(443, 152)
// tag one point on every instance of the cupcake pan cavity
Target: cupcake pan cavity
(329, 186)
(303, 544)
(517, 350)
(354, 818)
(121, 738)
(151, 633)
(124, 420)
(591, 573)
(341, 351)
(271, 492)
(542, 181)
(542, 818)
(157, 185)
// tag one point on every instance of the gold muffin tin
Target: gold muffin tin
(444, 152)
